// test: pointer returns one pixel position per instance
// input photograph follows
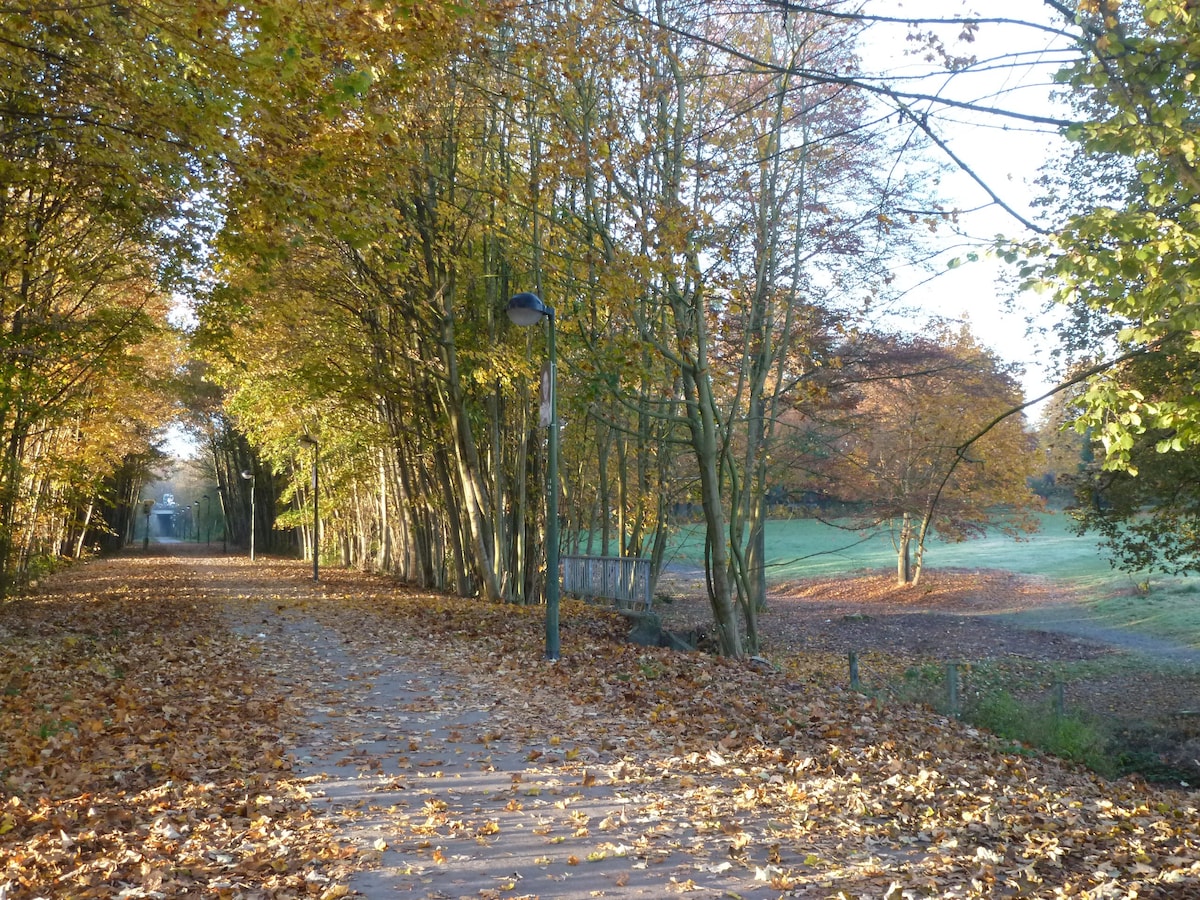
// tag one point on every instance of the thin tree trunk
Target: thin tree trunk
(383, 561)
(454, 526)
(703, 424)
(471, 489)
(77, 553)
(904, 552)
(622, 497)
(605, 496)
(520, 579)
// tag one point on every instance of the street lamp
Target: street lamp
(307, 440)
(207, 522)
(147, 508)
(527, 309)
(249, 476)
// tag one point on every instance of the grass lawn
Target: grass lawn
(1163, 606)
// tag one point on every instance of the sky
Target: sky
(1007, 155)
(179, 443)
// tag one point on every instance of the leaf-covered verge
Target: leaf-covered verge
(141, 751)
(144, 748)
(1124, 667)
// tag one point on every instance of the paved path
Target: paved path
(444, 792)
(1079, 621)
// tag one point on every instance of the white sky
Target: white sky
(1005, 154)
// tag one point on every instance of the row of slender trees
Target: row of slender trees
(88, 163)
(708, 232)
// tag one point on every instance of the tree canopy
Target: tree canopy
(903, 451)
(1123, 260)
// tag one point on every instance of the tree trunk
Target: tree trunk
(77, 553)
(499, 524)
(472, 489)
(605, 495)
(520, 529)
(904, 553)
(383, 561)
(703, 422)
(622, 496)
(454, 526)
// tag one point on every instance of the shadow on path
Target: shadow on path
(445, 792)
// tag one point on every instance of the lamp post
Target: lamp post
(207, 522)
(186, 525)
(307, 440)
(249, 476)
(527, 309)
(147, 507)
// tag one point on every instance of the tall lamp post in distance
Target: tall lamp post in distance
(207, 521)
(307, 440)
(249, 476)
(527, 309)
(147, 508)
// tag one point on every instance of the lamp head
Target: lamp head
(247, 474)
(527, 309)
(307, 440)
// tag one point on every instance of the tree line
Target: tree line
(712, 197)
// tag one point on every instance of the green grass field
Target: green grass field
(1162, 606)
(799, 548)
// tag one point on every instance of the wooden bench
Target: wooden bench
(624, 580)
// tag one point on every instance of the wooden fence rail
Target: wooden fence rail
(623, 580)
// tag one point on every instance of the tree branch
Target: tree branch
(960, 452)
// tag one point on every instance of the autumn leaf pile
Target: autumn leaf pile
(140, 754)
(881, 799)
(145, 753)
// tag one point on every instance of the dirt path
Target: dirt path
(1078, 621)
(953, 615)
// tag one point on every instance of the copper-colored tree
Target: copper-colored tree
(907, 458)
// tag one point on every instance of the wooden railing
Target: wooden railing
(623, 580)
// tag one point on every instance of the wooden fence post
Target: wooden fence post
(952, 688)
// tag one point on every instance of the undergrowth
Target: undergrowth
(986, 701)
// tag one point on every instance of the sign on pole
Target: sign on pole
(544, 407)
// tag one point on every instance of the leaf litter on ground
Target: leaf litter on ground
(146, 751)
